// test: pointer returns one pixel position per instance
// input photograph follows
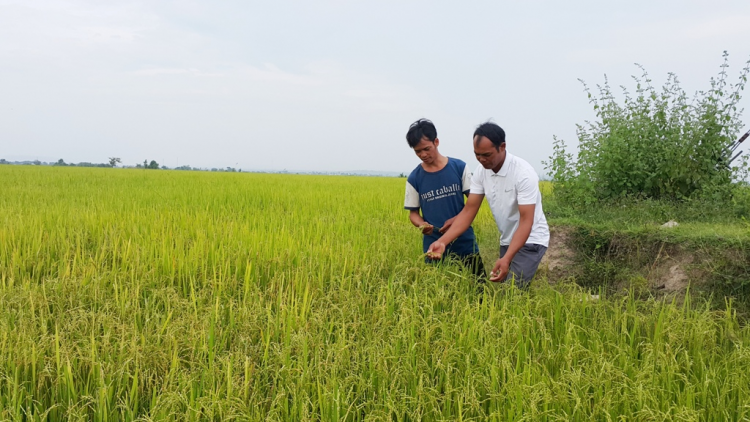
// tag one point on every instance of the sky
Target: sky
(332, 85)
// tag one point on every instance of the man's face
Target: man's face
(426, 150)
(487, 155)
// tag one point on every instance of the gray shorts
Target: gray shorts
(524, 264)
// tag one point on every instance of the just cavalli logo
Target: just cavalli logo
(441, 192)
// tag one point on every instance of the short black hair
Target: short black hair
(422, 128)
(491, 131)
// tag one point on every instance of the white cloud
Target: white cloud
(221, 81)
(168, 71)
(271, 73)
(718, 28)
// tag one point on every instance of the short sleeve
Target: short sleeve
(527, 189)
(411, 198)
(477, 181)
(466, 180)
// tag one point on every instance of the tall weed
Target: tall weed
(655, 144)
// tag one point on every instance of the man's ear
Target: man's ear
(437, 142)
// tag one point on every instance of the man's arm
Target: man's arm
(418, 221)
(412, 203)
(461, 223)
(525, 221)
(449, 222)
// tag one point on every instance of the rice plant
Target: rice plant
(172, 296)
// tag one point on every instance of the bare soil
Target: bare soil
(669, 273)
(559, 260)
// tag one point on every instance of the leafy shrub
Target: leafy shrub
(654, 144)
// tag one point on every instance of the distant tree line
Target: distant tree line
(114, 161)
(62, 163)
(153, 165)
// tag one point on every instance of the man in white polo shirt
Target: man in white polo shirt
(511, 186)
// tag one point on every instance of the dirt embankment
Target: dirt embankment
(559, 261)
(645, 264)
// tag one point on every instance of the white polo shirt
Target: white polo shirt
(515, 184)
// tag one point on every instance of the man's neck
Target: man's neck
(438, 165)
(497, 168)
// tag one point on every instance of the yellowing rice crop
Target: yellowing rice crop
(164, 295)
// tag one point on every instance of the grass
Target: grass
(621, 243)
(699, 220)
(163, 295)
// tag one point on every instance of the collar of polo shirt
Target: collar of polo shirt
(504, 169)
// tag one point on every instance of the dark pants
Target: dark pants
(471, 262)
(474, 264)
(524, 264)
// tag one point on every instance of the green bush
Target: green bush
(655, 144)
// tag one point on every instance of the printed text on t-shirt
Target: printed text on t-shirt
(441, 193)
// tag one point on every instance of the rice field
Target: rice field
(192, 296)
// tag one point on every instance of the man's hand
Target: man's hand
(426, 228)
(436, 250)
(447, 225)
(500, 270)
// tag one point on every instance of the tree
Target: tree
(113, 161)
(655, 144)
(153, 165)
(60, 162)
